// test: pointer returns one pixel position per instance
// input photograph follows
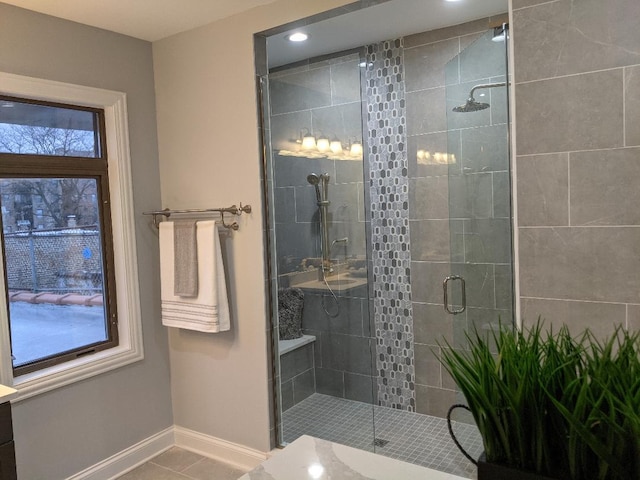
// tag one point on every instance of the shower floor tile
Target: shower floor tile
(411, 437)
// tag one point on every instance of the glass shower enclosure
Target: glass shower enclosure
(388, 178)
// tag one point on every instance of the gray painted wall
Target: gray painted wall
(577, 77)
(67, 430)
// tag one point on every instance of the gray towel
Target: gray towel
(290, 304)
(185, 251)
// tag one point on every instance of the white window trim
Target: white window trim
(130, 348)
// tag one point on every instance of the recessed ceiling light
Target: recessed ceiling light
(297, 37)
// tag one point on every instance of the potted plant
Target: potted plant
(549, 405)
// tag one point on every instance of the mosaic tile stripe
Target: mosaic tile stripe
(389, 196)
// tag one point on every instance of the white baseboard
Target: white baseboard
(129, 458)
(244, 458)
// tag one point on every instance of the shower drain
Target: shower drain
(379, 442)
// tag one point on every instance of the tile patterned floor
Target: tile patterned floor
(411, 437)
(179, 464)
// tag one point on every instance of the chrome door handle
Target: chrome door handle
(446, 294)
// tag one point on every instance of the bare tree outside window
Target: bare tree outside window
(53, 176)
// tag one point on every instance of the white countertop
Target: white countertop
(310, 458)
(7, 393)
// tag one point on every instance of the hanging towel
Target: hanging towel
(209, 310)
(185, 254)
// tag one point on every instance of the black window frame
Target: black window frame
(18, 165)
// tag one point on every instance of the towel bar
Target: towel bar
(234, 210)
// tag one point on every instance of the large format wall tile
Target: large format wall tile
(430, 240)
(580, 263)
(426, 111)
(632, 105)
(567, 37)
(633, 317)
(424, 65)
(567, 113)
(600, 318)
(429, 198)
(345, 82)
(604, 185)
(300, 91)
(543, 190)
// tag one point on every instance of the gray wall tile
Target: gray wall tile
(345, 82)
(304, 385)
(487, 240)
(482, 58)
(471, 195)
(284, 204)
(424, 65)
(300, 91)
(580, 263)
(286, 395)
(632, 105)
(442, 142)
(434, 401)
(426, 111)
(543, 190)
(501, 195)
(285, 130)
(448, 32)
(600, 318)
(427, 366)
(343, 121)
(361, 388)
(568, 37)
(567, 113)
(484, 149)
(430, 240)
(296, 362)
(429, 198)
(426, 281)
(633, 318)
(330, 382)
(433, 326)
(604, 185)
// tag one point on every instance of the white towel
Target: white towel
(209, 310)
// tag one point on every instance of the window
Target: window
(69, 306)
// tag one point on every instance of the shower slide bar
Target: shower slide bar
(234, 210)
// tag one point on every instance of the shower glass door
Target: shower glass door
(323, 336)
(479, 189)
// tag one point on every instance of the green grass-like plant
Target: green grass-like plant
(551, 403)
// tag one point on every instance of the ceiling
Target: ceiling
(391, 19)
(153, 20)
(145, 19)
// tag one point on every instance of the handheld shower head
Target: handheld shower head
(314, 180)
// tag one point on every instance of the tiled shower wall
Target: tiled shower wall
(577, 76)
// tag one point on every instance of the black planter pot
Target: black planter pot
(496, 471)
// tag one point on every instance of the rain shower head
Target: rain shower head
(472, 104)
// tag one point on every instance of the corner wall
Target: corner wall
(577, 77)
(64, 431)
(209, 157)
